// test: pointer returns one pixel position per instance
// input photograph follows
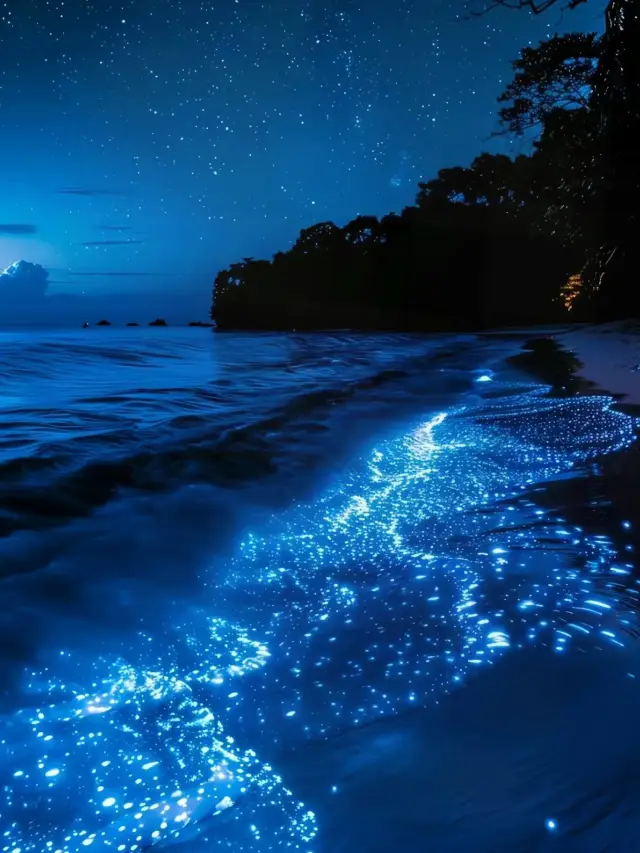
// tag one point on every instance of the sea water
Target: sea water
(261, 590)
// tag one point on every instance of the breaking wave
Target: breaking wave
(427, 557)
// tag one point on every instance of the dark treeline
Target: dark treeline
(437, 265)
(521, 240)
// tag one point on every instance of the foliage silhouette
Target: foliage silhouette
(614, 254)
(495, 242)
(556, 74)
(440, 264)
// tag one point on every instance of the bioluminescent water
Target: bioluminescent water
(425, 559)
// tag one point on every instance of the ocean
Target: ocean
(319, 593)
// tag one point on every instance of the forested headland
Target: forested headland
(541, 237)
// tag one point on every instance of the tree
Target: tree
(456, 184)
(319, 237)
(616, 102)
(616, 99)
(492, 180)
(556, 74)
(564, 182)
(536, 7)
(362, 230)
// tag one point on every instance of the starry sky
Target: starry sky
(145, 144)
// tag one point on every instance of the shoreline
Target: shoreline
(392, 762)
(451, 770)
(608, 357)
(421, 768)
(590, 360)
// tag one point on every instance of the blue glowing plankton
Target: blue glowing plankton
(138, 757)
(423, 562)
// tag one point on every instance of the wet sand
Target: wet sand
(537, 737)
(537, 753)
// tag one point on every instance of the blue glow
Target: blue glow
(150, 757)
(379, 595)
(551, 824)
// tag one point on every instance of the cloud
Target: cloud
(111, 243)
(23, 282)
(88, 191)
(17, 228)
(26, 298)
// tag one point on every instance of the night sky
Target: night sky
(147, 143)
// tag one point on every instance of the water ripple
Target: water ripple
(427, 560)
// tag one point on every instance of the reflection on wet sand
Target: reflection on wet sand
(428, 560)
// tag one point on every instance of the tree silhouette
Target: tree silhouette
(503, 240)
(450, 261)
(556, 74)
(536, 7)
(492, 180)
(615, 100)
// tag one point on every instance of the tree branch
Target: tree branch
(536, 7)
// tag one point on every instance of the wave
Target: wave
(80, 457)
(426, 560)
